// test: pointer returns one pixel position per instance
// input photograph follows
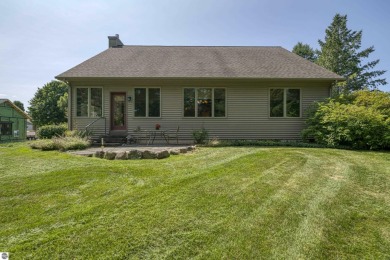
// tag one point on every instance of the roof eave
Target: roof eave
(64, 78)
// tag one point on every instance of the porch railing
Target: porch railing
(87, 127)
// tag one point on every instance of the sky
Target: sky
(39, 39)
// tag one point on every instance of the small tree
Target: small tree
(44, 108)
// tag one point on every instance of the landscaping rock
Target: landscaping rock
(183, 150)
(109, 155)
(174, 152)
(149, 155)
(134, 154)
(163, 154)
(190, 148)
(99, 154)
(121, 156)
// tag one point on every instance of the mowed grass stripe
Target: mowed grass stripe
(244, 202)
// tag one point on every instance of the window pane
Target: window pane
(140, 102)
(154, 102)
(189, 102)
(96, 102)
(219, 102)
(276, 102)
(118, 110)
(204, 102)
(292, 102)
(6, 129)
(82, 102)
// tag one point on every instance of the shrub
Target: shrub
(360, 120)
(50, 131)
(78, 133)
(200, 136)
(71, 143)
(61, 143)
(43, 144)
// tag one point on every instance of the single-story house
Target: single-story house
(238, 92)
(13, 122)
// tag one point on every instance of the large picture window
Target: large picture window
(204, 102)
(89, 102)
(285, 102)
(147, 102)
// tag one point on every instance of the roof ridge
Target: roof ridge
(205, 46)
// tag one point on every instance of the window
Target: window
(6, 128)
(285, 102)
(147, 102)
(204, 102)
(89, 102)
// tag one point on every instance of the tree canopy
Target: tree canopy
(340, 52)
(19, 104)
(44, 106)
(305, 51)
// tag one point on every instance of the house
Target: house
(13, 122)
(233, 92)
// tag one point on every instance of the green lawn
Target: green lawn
(232, 203)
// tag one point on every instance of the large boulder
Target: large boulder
(134, 154)
(149, 155)
(121, 156)
(163, 154)
(109, 155)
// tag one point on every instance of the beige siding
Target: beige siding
(247, 108)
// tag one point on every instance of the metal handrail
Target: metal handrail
(94, 121)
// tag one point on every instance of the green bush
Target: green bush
(43, 144)
(78, 133)
(61, 143)
(50, 131)
(360, 120)
(200, 136)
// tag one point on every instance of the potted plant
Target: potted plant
(158, 126)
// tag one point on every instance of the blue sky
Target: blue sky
(41, 39)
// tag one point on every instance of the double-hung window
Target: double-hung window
(89, 102)
(147, 102)
(285, 102)
(204, 102)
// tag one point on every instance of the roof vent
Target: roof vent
(114, 42)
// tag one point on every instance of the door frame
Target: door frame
(112, 94)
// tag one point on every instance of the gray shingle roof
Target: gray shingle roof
(198, 62)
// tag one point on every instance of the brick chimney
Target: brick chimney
(114, 42)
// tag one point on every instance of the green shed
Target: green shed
(13, 122)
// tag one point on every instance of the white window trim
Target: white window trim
(196, 103)
(284, 102)
(147, 103)
(89, 102)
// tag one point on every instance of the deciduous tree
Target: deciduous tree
(305, 51)
(44, 107)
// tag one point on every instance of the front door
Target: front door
(118, 111)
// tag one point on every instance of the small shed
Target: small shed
(13, 122)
